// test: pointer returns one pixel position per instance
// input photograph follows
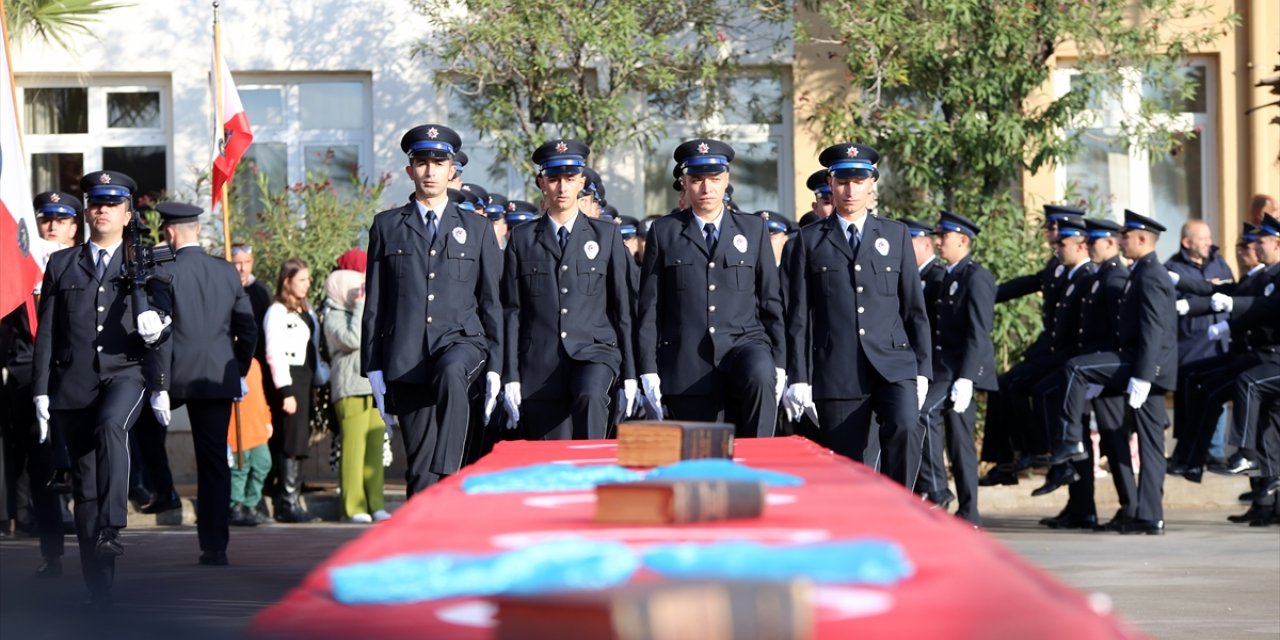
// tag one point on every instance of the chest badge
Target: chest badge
(1070, 288)
(1057, 273)
(1094, 288)
(1271, 288)
(592, 249)
(459, 235)
(954, 287)
(882, 247)
(740, 243)
(1126, 288)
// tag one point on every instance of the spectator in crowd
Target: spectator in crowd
(251, 456)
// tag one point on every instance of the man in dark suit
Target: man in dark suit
(432, 316)
(856, 308)
(711, 334)
(97, 354)
(931, 480)
(1144, 366)
(214, 336)
(567, 310)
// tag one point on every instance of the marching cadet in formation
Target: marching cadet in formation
(567, 310)
(214, 338)
(856, 309)
(433, 318)
(711, 335)
(963, 360)
(1145, 365)
(98, 358)
(931, 480)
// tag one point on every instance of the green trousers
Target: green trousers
(246, 481)
(360, 469)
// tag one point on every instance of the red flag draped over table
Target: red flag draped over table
(20, 268)
(233, 136)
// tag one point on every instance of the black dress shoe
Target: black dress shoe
(942, 500)
(1247, 497)
(1143, 526)
(60, 482)
(1255, 512)
(1193, 474)
(1068, 452)
(1049, 521)
(1075, 521)
(49, 568)
(109, 543)
(160, 504)
(997, 477)
(1238, 464)
(214, 558)
(1272, 486)
(1266, 521)
(140, 497)
(1059, 476)
(243, 516)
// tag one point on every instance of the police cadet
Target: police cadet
(96, 358)
(1145, 365)
(567, 310)
(496, 211)
(821, 206)
(432, 317)
(711, 334)
(214, 338)
(1009, 411)
(963, 359)
(931, 480)
(856, 308)
(459, 163)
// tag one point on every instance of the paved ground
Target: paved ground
(1205, 579)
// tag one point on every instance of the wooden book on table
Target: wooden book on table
(652, 443)
(699, 610)
(678, 501)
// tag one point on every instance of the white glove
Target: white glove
(798, 399)
(1092, 391)
(652, 386)
(1174, 277)
(1138, 391)
(379, 395)
(1183, 306)
(1221, 302)
(511, 400)
(492, 385)
(627, 398)
(160, 405)
(922, 388)
(42, 416)
(779, 384)
(150, 326)
(961, 394)
(244, 389)
(1220, 331)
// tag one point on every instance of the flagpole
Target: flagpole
(226, 217)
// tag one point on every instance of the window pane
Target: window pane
(1100, 173)
(264, 106)
(1193, 104)
(146, 165)
(752, 100)
(659, 197)
(62, 110)
(1177, 192)
(332, 105)
(336, 163)
(755, 176)
(262, 158)
(56, 172)
(139, 110)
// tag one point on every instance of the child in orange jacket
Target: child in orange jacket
(249, 470)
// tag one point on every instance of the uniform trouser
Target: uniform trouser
(98, 443)
(150, 435)
(209, 420)
(360, 469)
(1208, 388)
(247, 479)
(23, 452)
(1253, 389)
(1185, 402)
(744, 396)
(1112, 371)
(435, 417)
(1113, 442)
(938, 413)
(1010, 425)
(1047, 395)
(1268, 449)
(581, 414)
(845, 425)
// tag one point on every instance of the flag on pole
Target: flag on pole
(233, 136)
(21, 259)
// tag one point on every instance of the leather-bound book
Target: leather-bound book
(652, 443)
(678, 501)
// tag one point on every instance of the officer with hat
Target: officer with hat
(780, 230)
(1145, 365)
(931, 482)
(591, 199)
(567, 310)
(817, 183)
(459, 163)
(520, 211)
(56, 214)
(214, 338)
(496, 211)
(963, 360)
(432, 317)
(97, 357)
(476, 195)
(711, 335)
(856, 309)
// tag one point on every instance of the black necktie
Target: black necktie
(853, 240)
(710, 230)
(431, 227)
(101, 268)
(563, 234)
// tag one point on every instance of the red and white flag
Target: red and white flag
(233, 136)
(20, 249)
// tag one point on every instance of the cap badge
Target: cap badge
(852, 152)
(592, 248)
(104, 178)
(460, 235)
(55, 198)
(511, 206)
(433, 133)
(882, 246)
(740, 243)
(703, 148)
(562, 147)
